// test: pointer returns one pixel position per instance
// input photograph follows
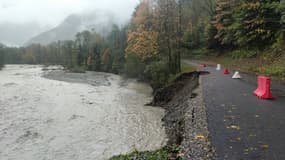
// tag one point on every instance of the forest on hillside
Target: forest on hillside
(160, 32)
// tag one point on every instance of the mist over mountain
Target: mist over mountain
(99, 21)
(13, 34)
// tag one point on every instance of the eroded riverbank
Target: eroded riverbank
(186, 119)
(74, 116)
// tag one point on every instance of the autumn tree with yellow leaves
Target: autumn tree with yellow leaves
(142, 39)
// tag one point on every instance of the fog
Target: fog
(38, 15)
(51, 12)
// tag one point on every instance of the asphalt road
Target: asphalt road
(243, 127)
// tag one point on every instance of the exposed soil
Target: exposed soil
(185, 120)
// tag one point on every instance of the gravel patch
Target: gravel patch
(196, 144)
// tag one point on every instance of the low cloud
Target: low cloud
(52, 12)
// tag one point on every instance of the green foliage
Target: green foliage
(162, 154)
(1, 58)
(185, 67)
(212, 42)
(118, 64)
(242, 53)
(277, 70)
(77, 69)
(134, 67)
(157, 73)
(197, 36)
(258, 23)
(278, 46)
(29, 58)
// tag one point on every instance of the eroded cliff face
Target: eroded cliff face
(185, 120)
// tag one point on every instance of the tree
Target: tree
(282, 20)
(223, 20)
(258, 22)
(142, 39)
(143, 44)
(106, 60)
(1, 56)
(117, 42)
(167, 21)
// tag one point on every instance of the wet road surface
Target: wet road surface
(243, 127)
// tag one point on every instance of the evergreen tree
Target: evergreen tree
(282, 20)
(1, 56)
(222, 22)
(258, 22)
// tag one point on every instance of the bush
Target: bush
(238, 54)
(274, 70)
(161, 154)
(134, 67)
(1, 59)
(157, 73)
(77, 69)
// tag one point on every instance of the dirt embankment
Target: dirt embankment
(185, 120)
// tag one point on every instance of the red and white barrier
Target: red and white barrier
(236, 75)
(219, 67)
(226, 71)
(263, 89)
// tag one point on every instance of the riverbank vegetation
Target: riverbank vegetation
(1, 56)
(161, 154)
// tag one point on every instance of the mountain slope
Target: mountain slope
(13, 34)
(101, 22)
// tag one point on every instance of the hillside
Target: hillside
(101, 22)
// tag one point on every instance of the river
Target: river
(49, 114)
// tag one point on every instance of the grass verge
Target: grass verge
(184, 69)
(268, 62)
(164, 153)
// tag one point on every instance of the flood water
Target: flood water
(53, 115)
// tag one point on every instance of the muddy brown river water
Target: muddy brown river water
(52, 115)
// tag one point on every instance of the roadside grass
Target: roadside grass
(249, 61)
(184, 69)
(274, 68)
(164, 153)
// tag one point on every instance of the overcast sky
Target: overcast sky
(52, 12)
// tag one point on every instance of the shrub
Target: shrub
(1, 59)
(134, 67)
(157, 73)
(238, 54)
(274, 70)
(161, 154)
(77, 69)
